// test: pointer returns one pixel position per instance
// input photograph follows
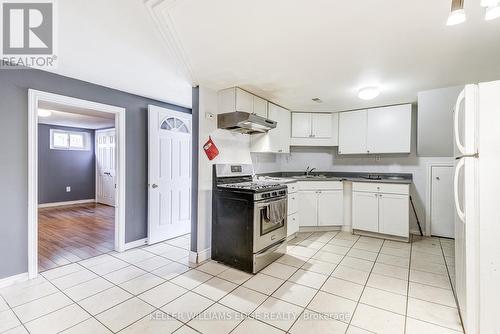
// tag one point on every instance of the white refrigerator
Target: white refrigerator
(477, 202)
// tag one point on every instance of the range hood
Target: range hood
(244, 122)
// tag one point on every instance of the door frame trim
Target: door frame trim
(428, 212)
(34, 97)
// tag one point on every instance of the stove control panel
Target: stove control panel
(270, 194)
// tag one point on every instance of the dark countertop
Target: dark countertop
(398, 178)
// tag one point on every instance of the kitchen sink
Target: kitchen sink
(309, 177)
(395, 178)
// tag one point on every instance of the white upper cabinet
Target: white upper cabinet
(244, 101)
(378, 130)
(301, 125)
(352, 132)
(389, 129)
(322, 126)
(276, 140)
(236, 99)
(260, 107)
(314, 129)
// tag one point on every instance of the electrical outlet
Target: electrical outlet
(68, 189)
(377, 158)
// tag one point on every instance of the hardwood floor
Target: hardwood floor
(72, 233)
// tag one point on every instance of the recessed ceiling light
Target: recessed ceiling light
(489, 3)
(44, 113)
(457, 14)
(368, 93)
(317, 99)
(492, 12)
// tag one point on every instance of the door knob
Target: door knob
(154, 186)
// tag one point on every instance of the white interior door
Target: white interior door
(105, 153)
(170, 156)
(442, 210)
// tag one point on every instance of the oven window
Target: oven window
(266, 226)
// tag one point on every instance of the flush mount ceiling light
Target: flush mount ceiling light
(492, 12)
(457, 14)
(368, 93)
(489, 3)
(44, 113)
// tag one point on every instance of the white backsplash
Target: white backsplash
(327, 159)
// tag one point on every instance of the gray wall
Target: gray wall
(435, 121)
(60, 168)
(14, 86)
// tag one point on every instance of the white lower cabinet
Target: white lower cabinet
(374, 210)
(293, 224)
(293, 208)
(330, 208)
(321, 203)
(365, 211)
(394, 214)
(308, 208)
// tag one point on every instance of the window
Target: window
(174, 124)
(69, 140)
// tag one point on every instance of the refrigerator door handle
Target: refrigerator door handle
(460, 98)
(460, 213)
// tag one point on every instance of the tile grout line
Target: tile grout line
(408, 285)
(364, 287)
(452, 288)
(305, 308)
(114, 285)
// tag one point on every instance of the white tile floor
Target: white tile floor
(328, 282)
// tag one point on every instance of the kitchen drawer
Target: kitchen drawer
(292, 187)
(292, 224)
(293, 203)
(387, 188)
(321, 185)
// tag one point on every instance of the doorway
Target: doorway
(76, 180)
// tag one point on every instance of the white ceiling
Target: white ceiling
(76, 117)
(290, 51)
(115, 44)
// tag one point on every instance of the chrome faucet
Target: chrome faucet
(309, 171)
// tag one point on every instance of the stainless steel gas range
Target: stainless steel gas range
(249, 218)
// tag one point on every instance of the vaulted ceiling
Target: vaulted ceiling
(290, 51)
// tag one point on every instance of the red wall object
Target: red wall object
(210, 149)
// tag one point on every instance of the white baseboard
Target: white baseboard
(51, 205)
(319, 228)
(193, 257)
(4, 282)
(199, 257)
(135, 244)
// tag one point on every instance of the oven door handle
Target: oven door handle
(271, 249)
(268, 202)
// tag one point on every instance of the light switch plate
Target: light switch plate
(68, 189)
